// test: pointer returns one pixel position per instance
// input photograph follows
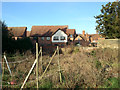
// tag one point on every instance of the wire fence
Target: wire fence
(8, 83)
(20, 61)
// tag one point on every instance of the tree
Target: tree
(6, 38)
(109, 20)
(10, 45)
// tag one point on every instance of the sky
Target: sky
(77, 15)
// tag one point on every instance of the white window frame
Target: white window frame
(62, 38)
(56, 38)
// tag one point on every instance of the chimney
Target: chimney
(83, 32)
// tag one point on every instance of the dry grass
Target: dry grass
(80, 69)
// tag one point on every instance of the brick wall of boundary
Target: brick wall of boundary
(111, 43)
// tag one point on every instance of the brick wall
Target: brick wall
(45, 41)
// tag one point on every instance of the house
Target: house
(52, 35)
(55, 35)
(71, 34)
(87, 39)
(18, 32)
(28, 33)
(82, 39)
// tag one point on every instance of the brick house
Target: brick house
(18, 32)
(55, 35)
(52, 35)
(87, 39)
(28, 34)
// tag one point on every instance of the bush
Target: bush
(23, 44)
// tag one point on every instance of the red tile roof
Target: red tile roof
(45, 30)
(70, 31)
(17, 31)
(95, 36)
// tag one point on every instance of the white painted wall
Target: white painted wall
(59, 33)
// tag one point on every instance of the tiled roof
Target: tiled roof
(46, 30)
(95, 36)
(17, 31)
(84, 37)
(70, 31)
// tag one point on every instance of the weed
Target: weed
(76, 50)
(47, 84)
(111, 83)
(98, 64)
(93, 53)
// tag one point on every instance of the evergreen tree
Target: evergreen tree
(10, 45)
(109, 20)
(6, 38)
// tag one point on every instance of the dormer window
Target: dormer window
(62, 38)
(56, 38)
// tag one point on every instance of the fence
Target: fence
(38, 76)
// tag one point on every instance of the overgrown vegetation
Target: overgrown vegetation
(80, 69)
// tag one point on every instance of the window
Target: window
(48, 38)
(56, 38)
(35, 38)
(71, 35)
(42, 38)
(62, 38)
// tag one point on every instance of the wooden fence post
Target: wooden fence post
(2, 68)
(28, 74)
(7, 64)
(41, 60)
(48, 65)
(59, 65)
(37, 65)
